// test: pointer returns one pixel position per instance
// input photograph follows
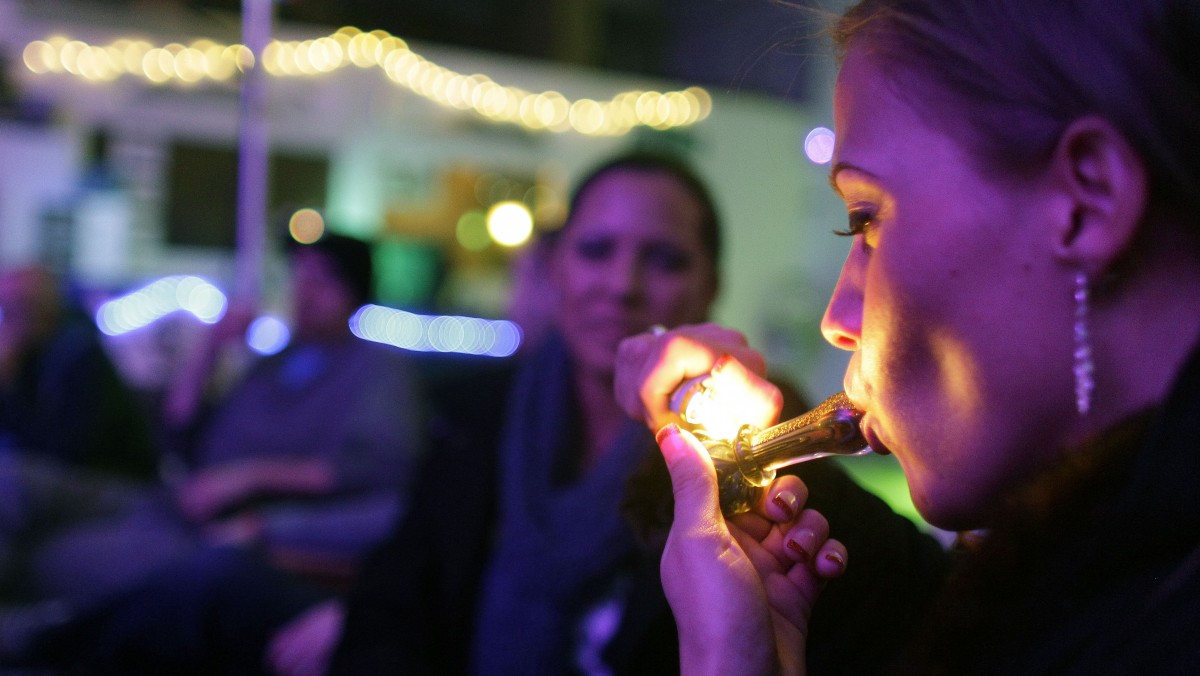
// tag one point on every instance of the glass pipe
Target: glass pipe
(747, 459)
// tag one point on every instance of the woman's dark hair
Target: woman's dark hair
(659, 163)
(351, 260)
(1006, 77)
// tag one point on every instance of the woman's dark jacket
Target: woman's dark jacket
(1093, 568)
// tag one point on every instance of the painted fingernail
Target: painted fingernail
(721, 363)
(665, 431)
(836, 559)
(800, 551)
(788, 502)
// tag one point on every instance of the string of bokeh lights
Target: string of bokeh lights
(206, 60)
(268, 334)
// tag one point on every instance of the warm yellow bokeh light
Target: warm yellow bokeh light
(510, 223)
(306, 226)
(205, 59)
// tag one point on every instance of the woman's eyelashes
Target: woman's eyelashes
(860, 222)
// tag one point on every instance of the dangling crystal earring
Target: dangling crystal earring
(1084, 385)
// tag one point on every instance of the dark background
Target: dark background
(202, 192)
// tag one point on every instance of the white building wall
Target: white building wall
(780, 260)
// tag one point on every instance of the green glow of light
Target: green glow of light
(471, 231)
(881, 474)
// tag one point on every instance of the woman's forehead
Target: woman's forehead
(629, 199)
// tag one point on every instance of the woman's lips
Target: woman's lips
(872, 438)
(853, 388)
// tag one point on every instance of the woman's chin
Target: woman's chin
(596, 359)
(944, 512)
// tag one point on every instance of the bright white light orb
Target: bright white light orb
(267, 335)
(510, 223)
(818, 145)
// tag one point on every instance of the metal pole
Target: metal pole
(253, 146)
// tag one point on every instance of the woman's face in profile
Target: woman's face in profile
(950, 297)
(630, 258)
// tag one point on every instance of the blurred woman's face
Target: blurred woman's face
(322, 300)
(631, 257)
(959, 316)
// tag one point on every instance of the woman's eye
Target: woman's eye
(860, 222)
(667, 258)
(593, 249)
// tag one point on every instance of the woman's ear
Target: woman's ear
(1105, 180)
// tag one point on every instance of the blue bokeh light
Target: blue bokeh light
(158, 299)
(442, 333)
(268, 335)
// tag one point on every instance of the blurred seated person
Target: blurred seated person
(61, 397)
(533, 541)
(303, 464)
(309, 453)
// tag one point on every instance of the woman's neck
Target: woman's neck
(1143, 336)
(602, 417)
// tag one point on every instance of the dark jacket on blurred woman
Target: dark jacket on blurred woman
(448, 592)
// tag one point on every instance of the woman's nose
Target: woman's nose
(625, 276)
(842, 323)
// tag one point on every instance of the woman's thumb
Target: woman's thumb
(693, 478)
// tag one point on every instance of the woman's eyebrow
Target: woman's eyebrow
(837, 168)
